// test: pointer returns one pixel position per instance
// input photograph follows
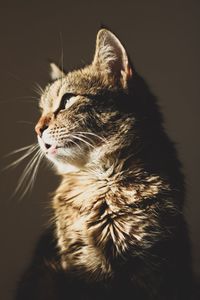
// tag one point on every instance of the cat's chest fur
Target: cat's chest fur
(98, 219)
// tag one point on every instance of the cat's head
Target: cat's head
(82, 111)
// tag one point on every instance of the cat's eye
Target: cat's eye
(65, 98)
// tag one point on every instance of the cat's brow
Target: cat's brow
(103, 95)
(98, 96)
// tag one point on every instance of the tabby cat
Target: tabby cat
(118, 230)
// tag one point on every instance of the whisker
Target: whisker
(25, 122)
(38, 89)
(19, 79)
(81, 139)
(28, 166)
(94, 134)
(75, 144)
(19, 99)
(16, 162)
(86, 137)
(34, 173)
(25, 177)
(27, 97)
(62, 58)
(20, 149)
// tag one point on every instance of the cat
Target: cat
(118, 230)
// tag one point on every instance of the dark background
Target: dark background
(162, 38)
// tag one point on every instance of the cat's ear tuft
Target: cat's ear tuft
(55, 71)
(111, 57)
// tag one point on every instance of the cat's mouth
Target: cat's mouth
(54, 149)
(51, 149)
(48, 149)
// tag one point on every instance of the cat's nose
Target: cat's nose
(42, 124)
(39, 129)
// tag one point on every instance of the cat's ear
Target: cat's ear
(111, 57)
(55, 71)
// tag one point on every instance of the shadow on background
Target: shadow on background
(163, 42)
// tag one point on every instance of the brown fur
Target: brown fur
(118, 209)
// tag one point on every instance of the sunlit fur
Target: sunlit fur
(118, 210)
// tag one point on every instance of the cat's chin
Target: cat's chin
(65, 168)
(63, 164)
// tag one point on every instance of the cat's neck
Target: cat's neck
(109, 174)
(86, 199)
